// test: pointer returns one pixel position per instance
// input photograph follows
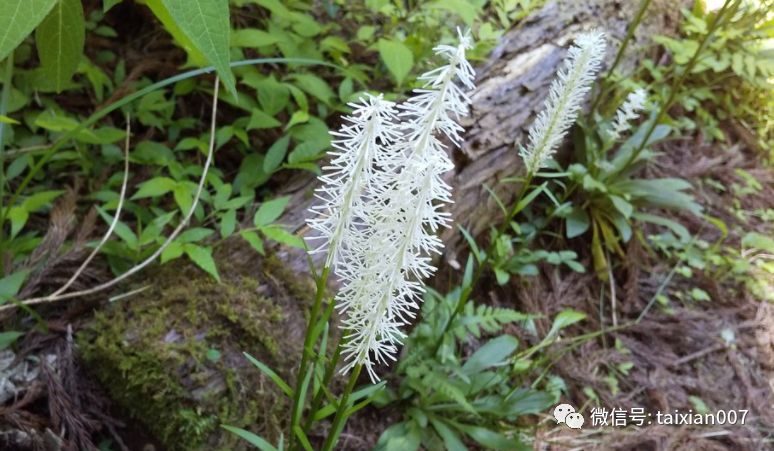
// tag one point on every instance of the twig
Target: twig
(115, 218)
(149, 260)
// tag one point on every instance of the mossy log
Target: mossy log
(172, 355)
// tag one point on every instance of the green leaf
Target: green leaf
(260, 120)
(276, 154)
(8, 338)
(11, 284)
(758, 241)
(39, 200)
(307, 151)
(206, 24)
(315, 86)
(564, 319)
(282, 236)
(397, 57)
(17, 20)
(7, 120)
(171, 252)
(493, 353)
(577, 222)
(254, 240)
(252, 38)
(107, 4)
(450, 438)
(270, 210)
(59, 39)
(194, 234)
(251, 438)
(155, 187)
(272, 95)
(272, 375)
(488, 438)
(202, 257)
(227, 223)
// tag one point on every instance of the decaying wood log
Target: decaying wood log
(169, 333)
(511, 88)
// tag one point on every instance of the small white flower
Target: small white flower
(564, 100)
(628, 111)
(363, 143)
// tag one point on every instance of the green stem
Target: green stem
(341, 411)
(678, 83)
(644, 4)
(330, 369)
(7, 81)
(468, 289)
(121, 102)
(309, 341)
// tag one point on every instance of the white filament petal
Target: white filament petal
(362, 144)
(565, 98)
(386, 268)
(627, 112)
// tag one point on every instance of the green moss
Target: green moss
(153, 352)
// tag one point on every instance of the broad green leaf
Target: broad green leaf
(8, 338)
(450, 438)
(171, 252)
(11, 284)
(564, 319)
(490, 439)
(315, 86)
(397, 57)
(282, 236)
(269, 211)
(251, 438)
(272, 95)
(259, 120)
(194, 234)
(122, 230)
(17, 20)
(276, 154)
(493, 353)
(195, 57)
(577, 222)
(254, 240)
(39, 200)
(758, 241)
(252, 38)
(59, 39)
(228, 223)
(307, 151)
(155, 187)
(202, 256)
(206, 24)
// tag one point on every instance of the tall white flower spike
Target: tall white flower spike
(363, 143)
(564, 100)
(385, 281)
(627, 112)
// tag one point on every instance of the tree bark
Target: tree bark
(511, 87)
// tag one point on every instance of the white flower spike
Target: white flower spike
(564, 100)
(384, 282)
(362, 144)
(627, 112)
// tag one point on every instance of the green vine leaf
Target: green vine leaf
(60, 39)
(206, 24)
(17, 20)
